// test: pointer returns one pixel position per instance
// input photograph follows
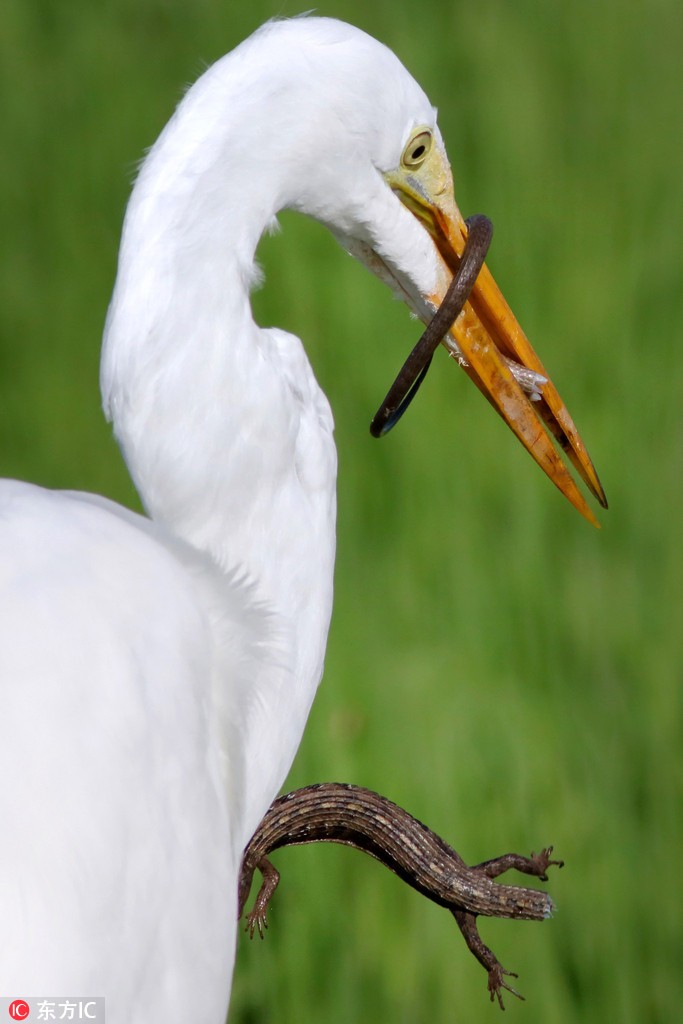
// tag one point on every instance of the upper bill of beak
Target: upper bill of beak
(487, 340)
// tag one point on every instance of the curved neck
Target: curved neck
(222, 424)
(206, 406)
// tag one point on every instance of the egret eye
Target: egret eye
(417, 150)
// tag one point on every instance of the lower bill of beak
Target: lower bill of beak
(492, 348)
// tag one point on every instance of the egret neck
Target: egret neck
(225, 431)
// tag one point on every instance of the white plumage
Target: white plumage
(157, 673)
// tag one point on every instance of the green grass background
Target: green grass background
(507, 673)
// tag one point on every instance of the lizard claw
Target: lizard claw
(497, 982)
(256, 920)
(541, 862)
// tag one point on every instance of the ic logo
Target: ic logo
(19, 1009)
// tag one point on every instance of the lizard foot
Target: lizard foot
(497, 983)
(256, 920)
(541, 862)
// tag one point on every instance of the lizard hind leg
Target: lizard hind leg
(467, 923)
(536, 865)
(256, 918)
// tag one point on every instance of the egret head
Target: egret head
(364, 155)
(314, 115)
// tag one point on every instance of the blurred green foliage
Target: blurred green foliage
(508, 674)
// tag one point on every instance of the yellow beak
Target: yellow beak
(486, 334)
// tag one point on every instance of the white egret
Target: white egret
(157, 672)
